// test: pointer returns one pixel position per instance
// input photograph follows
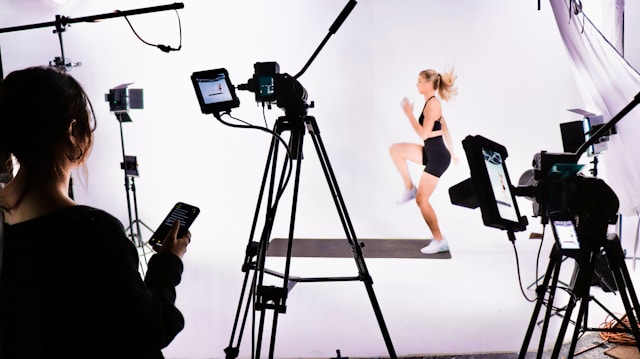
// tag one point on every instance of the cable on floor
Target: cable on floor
(617, 337)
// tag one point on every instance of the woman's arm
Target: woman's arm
(146, 308)
(447, 140)
(431, 112)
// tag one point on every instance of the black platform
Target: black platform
(340, 248)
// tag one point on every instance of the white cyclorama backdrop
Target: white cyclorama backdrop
(515, 86)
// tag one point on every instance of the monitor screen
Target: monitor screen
(501, 190)
(215, 91)
(491, 184)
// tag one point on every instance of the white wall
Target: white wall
(515, 86)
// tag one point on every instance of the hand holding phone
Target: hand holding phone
(182, 212)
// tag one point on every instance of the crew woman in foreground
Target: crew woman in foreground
(69, 280)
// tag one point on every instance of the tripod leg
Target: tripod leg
(278, 295)
(553, 270)
(615, 256)
(253, 262)
(582, 321)
(258, 347)
(586, 265)
(272, 343)
(231, 352)
(582, 314)
(296, 139)
(550, 300)
(312, 126)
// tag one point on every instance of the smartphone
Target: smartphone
(181, 211)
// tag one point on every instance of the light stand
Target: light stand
(130, 167)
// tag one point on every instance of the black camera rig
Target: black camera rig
(270, 86)
(580, 209)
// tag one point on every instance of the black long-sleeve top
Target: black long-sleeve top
(70, 288)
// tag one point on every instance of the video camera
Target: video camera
(216, 92)
(554, 185)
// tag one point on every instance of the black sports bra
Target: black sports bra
(436, 125)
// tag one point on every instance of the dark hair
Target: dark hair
(37, 107)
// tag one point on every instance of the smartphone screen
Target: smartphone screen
(183, 212)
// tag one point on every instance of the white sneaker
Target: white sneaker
(436, 246)
(408, 195)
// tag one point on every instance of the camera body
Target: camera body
(561, 192)
(263, 82)
(552, 172)
(270, 86)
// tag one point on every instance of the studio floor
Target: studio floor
(475, 303)
(483, 313)
(480, 335)
(589, 346)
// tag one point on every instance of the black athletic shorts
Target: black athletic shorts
(435, 156)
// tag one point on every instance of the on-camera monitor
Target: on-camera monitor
(491, 183)
(564, 231)
(500, 184)
(214, 90)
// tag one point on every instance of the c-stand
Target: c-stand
(273, 297)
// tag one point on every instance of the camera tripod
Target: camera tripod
(580, 290)
(274, 298)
